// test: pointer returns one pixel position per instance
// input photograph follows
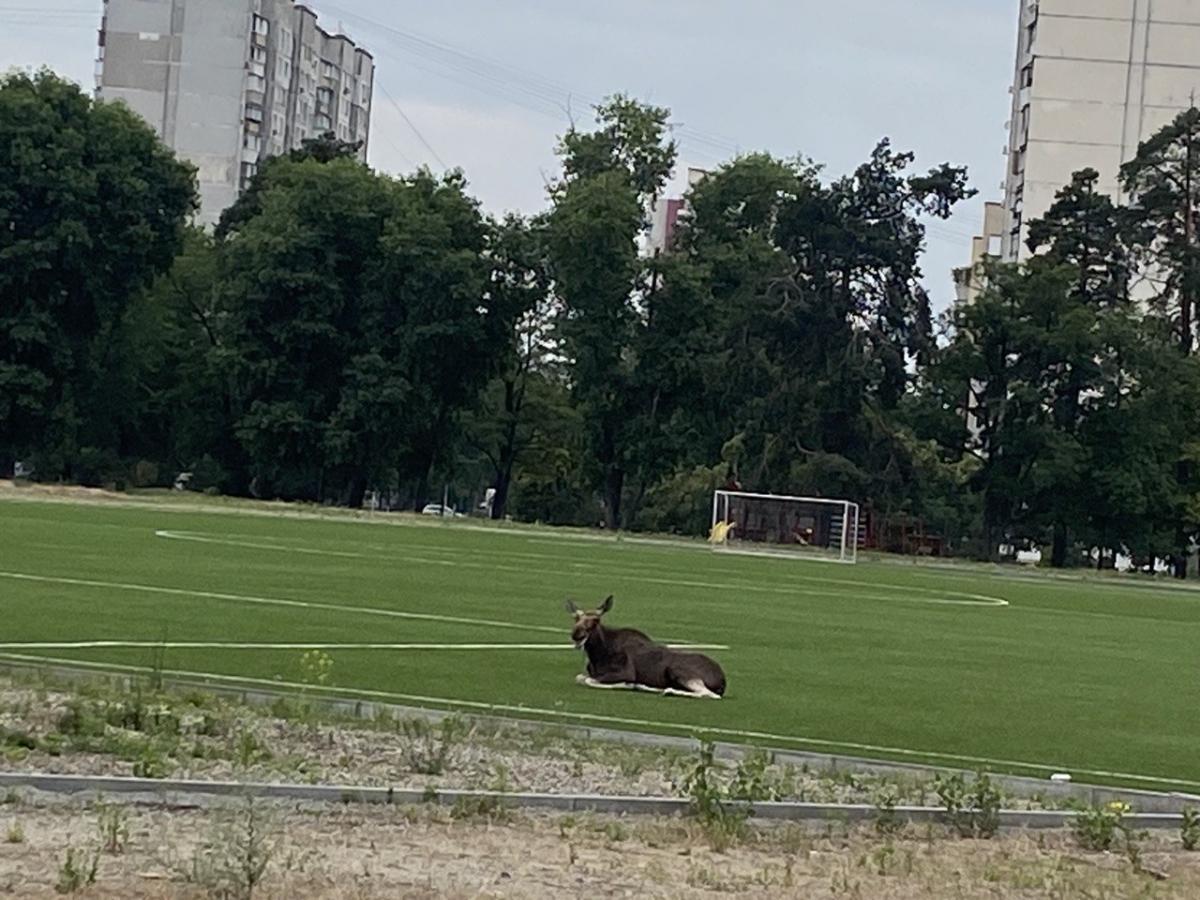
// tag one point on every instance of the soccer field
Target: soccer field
(953, 665)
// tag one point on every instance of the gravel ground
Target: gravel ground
(193, 735)
(359, 852)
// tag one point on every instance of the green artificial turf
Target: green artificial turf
(1086, 676)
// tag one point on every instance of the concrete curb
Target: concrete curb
(1022, 786)
(145, 790)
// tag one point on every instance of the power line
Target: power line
(518, 86)
(413, 126)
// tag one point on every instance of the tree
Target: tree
(94, 207)
(609, 177)
(324, 148)
(1085, 235)
(527, 383)
(356, 325)
(1163, 181)
(815, 314)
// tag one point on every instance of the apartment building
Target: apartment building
(229, 83)
(1093, 78)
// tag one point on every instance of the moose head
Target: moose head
(587, 622)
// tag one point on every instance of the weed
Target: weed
(500, 782)
(150, 763)
(887, 821)
(15, 834)
(723, 822)
(973, 810)
(751, 780)
(431, 749)
(12, 797)
(1189, 829)
(249, 750)
(113, 824)
(316, 668)
(76, 873)
(490, 809)
(1096, 827)
(615, 831)
(237, 854)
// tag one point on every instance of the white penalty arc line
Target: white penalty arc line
(308, 604)
(948, 598)
(649, 725)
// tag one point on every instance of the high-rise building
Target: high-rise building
(664, 216)
(1093, 79)
(228, 83)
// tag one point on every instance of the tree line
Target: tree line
(344, 332)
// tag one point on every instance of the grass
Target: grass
(1073, 675)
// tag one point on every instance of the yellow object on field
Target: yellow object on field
(720, 532)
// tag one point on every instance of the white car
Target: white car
(436, 509)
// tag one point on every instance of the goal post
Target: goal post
(805, 527)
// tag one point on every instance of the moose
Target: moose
(628, 658)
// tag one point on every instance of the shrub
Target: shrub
(972, 810)
(1189, 829)
(1096, 827)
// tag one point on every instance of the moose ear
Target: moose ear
(572, 608)
(606, 605)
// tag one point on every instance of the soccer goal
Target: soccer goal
(808, 527)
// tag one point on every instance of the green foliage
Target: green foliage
(973, 810)
(429, 748)
(93, 206)
(14, 834)
(76, 872)
(1189, 829)
(316, 667)
(887, 820)
(722, 816)
(112, 823)
(1097, 827)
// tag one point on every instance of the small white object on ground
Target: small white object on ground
(1060, 776)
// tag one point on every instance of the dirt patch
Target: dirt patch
(359, 852)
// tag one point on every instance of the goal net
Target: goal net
(809, 527)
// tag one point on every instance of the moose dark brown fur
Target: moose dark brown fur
(628, 658)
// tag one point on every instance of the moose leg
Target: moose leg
(609, 680)
(693, 687)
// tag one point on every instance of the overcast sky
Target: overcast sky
(486, 84)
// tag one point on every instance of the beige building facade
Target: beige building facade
(229, 83)
(1092, 80)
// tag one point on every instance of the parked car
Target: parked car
(436, 509)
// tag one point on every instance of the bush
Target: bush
(1097, 827)
(94, 467)
(1189, 829)
(972, 810)
(208, 475)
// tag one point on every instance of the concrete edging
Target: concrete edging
(1081, 792)
(173, 790)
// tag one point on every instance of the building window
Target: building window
(260, 25)
(1027, 76)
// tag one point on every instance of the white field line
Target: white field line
(650, 725)
(250, 645)
(948, 598)
(306, 604)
